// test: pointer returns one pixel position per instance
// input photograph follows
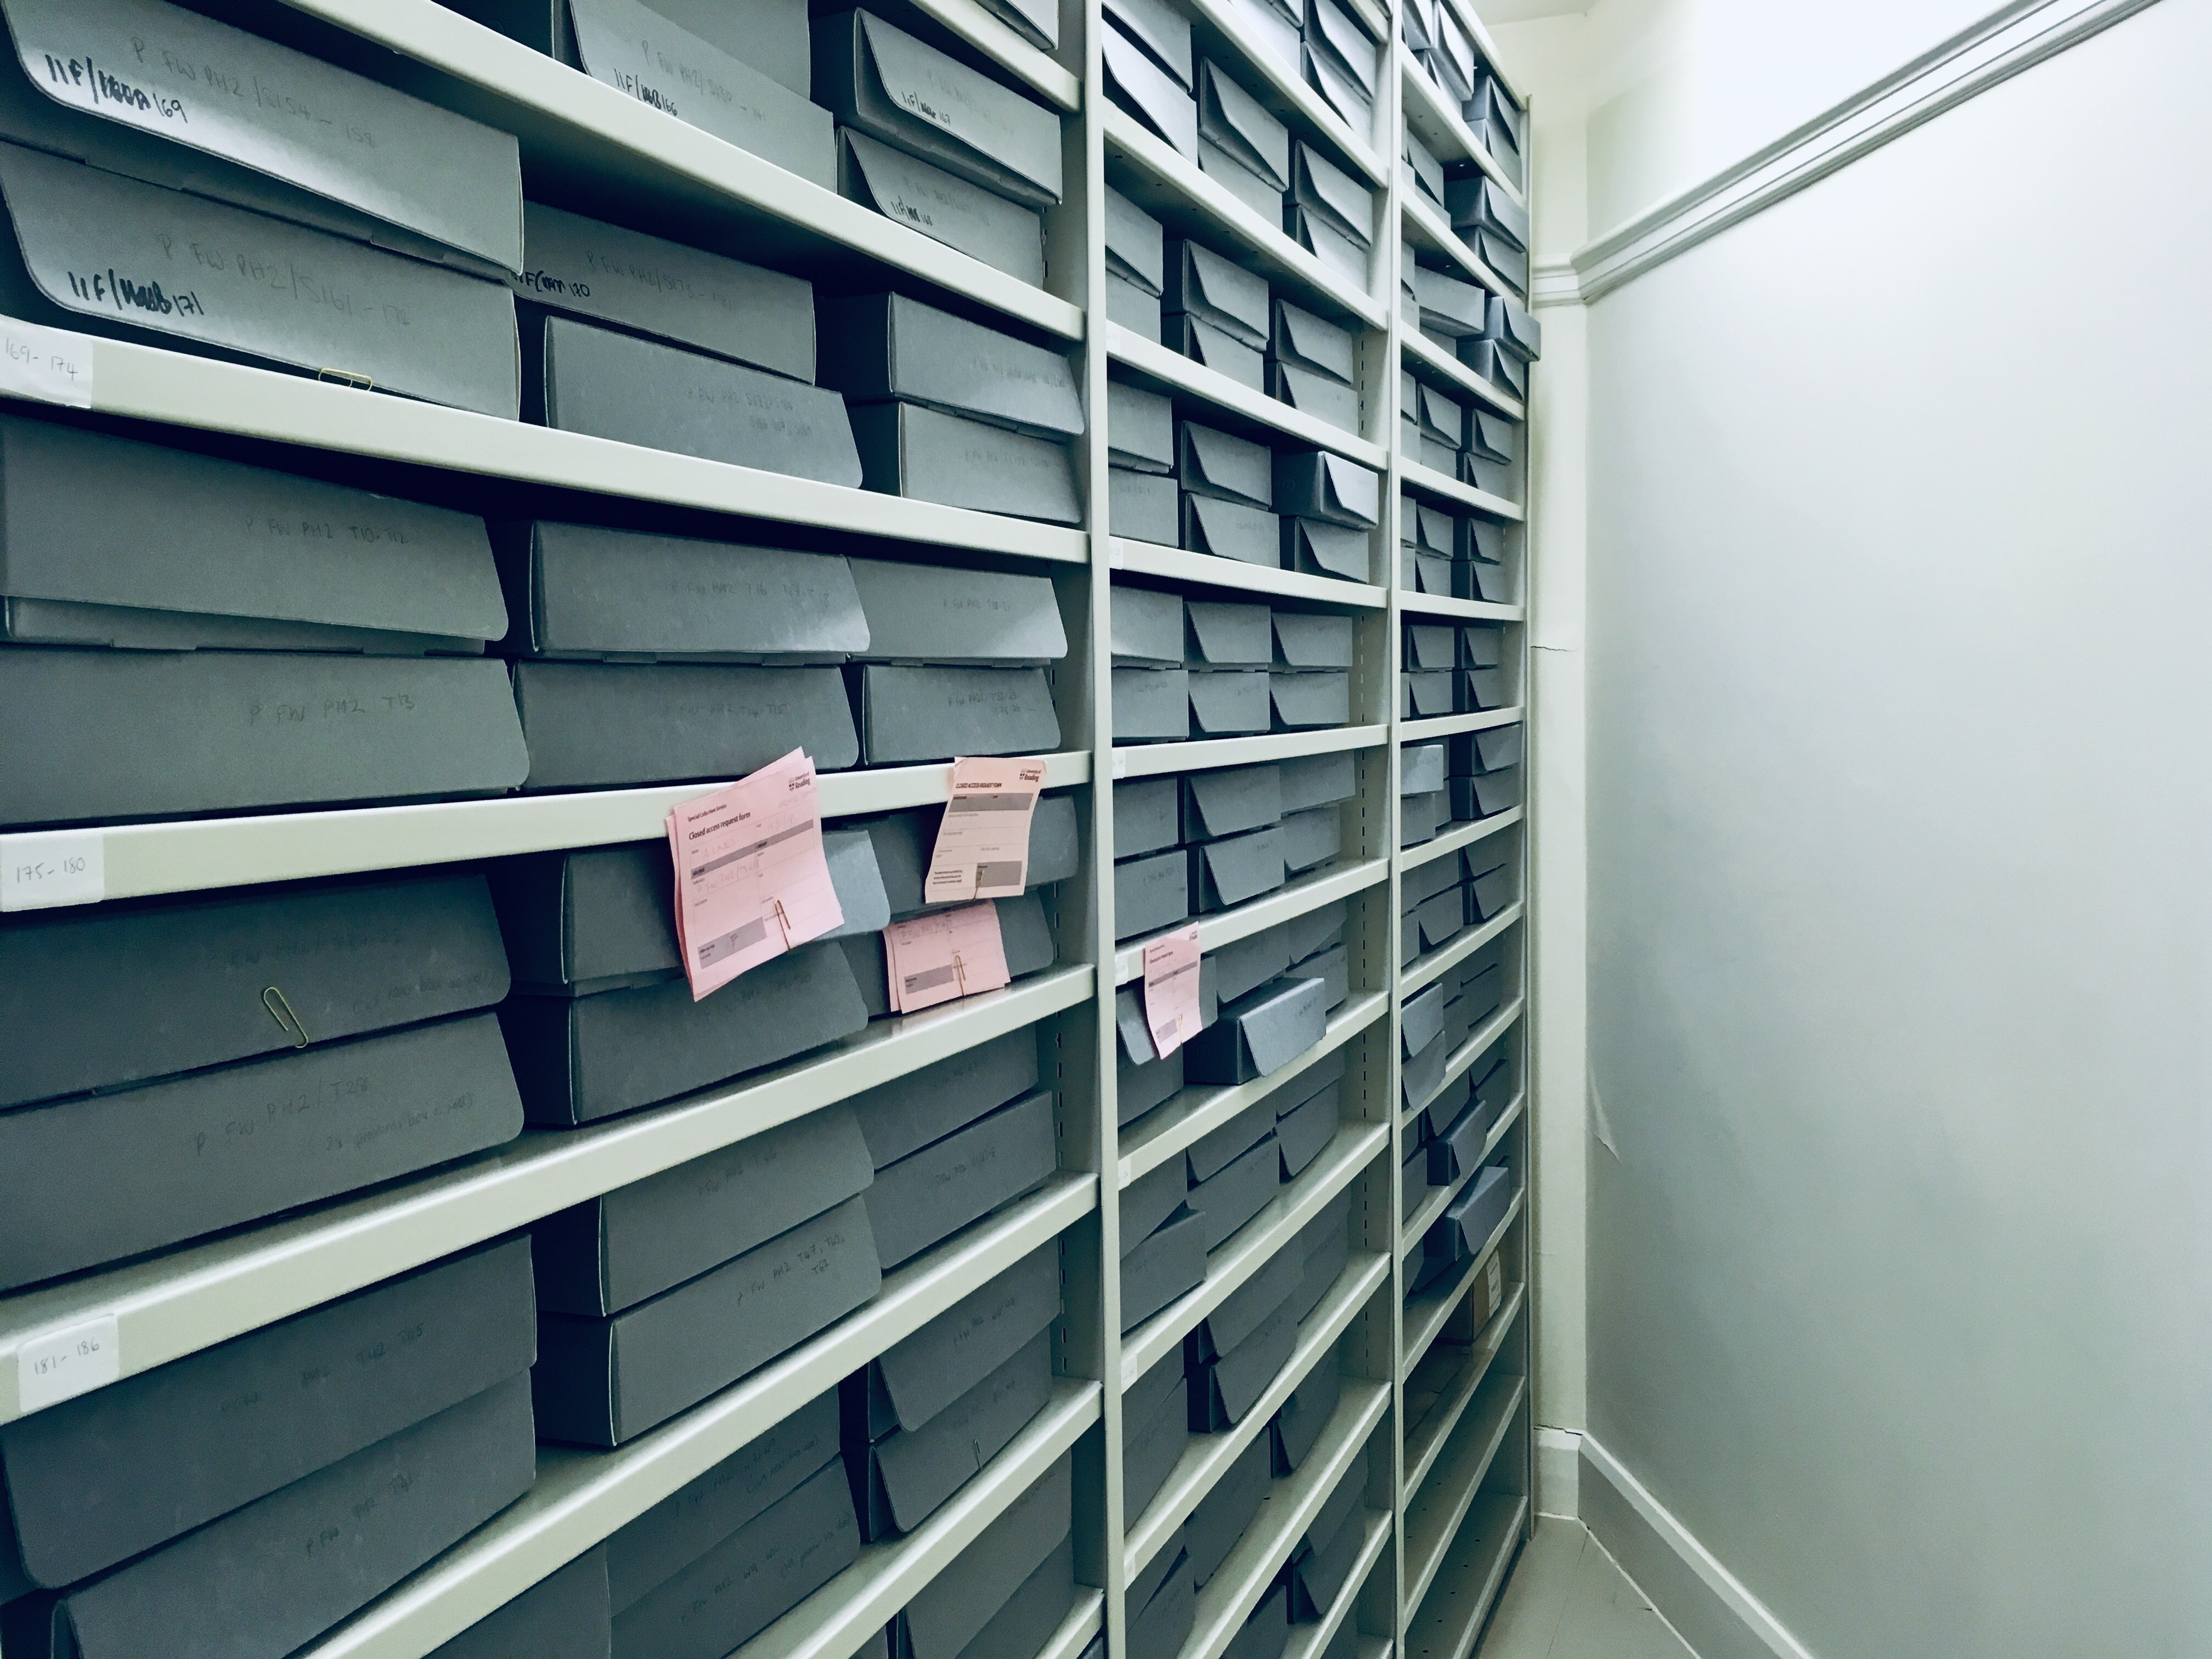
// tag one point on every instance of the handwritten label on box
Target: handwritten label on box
(67, 1362)
(49, 364)
(43, 872)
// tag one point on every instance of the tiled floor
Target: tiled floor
(1566, 1599)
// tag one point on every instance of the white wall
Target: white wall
(1900, 904)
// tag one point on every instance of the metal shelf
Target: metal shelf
(1411, 475)
(1427, 1314)
(1425, 1440)
(193, 854)
(1310, 1641)
(1227, 927)
(1464, 835)
(1247, 1250)
(1151, 760)
(1438, 605)
(1174, 371)
(1473, 1571)
(1210, 570)
(1439, 1198)
(576, 128)
(1443, 128)
(1189, 1116)
(1282, 94)
(1450, 725)
(1433, 1513)
(179, 1304)
(1425, 353)
(1426, 968)
(1164, 182)
(583, 1497)
(1209, 1456)
(1426, 228)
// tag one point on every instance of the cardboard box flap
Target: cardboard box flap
(1225, 1201)
(605, 273)
(573, 918)
(1346, 40)
(1317, 780)
(1329, 549)
(1160, 30)
(677, 1531)
(1305, 701)
(1338, 86)
(1492, 436)
(1442, 418)
(1223, 634)
(1250, 962)
(1229, 701)
(1514, 330)
(637, 50)
(371, 149)
(1036, 21)
(1304, 1132)
(353, 957)
(1228, 803)
(1314, 483)
(949, 1611)
(909, 1113)
(1422, 1019)
(921, 1375)
(1233, 119)
(1233, 299)
(1428, 171)
(1140, 427)
(1161, 101)
(1242, 867)
(1305, 339)
(1231, 529)
(1429, 647)
(1026, 935)
(769, 35)
(1235, 1382)
(937, 614)
(1136, 241)
(1319, 185)
(591, 592)
(436, 335)
(1425, 881)
(1316, 931)
(1215, 1151)
(1280, 1022)
(986, 133)
(257, 544)
(1251, 1304)
(96, 1480)
(1005, 236)
(1054, 850)
(1311, 838)
(1222, 1515)
(916, 714)
(1215, 464)
(1147, 627)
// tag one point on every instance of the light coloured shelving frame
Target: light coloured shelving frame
(181, 1303)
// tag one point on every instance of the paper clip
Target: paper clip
(345, 377)
(960, 972)
(279, 1010)
(783, 922)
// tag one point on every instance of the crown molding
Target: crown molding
(1554, 285)
(2014, 37)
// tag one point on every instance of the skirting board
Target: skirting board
(1707, 1605)
(1558, 1470)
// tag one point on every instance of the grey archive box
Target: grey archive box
(579, 1059)
(1138, 1090)
(1326, 549)
(98, 1480)
(1143, 507)
(911, 1383)
(705, 1512)
(584, 379)
(440, 336)
(1226, 1200)
(873, 76)
(1305, 1131)
(737, 82)
(1311, 838)
(748, 1580)
(1214, 464)
(1135, 81)
(347, 1533)
(604, 273)
(1316, 930)
(342, 960)
(263, 729)
(1139, 428)
(953, 1608)
(930, 1195)
(1305, 702)
(589, 593)
(1424, 172)
(173, 1162)
(1316, 484)
(600, 1382)
(1230, 529)
(922, 613)
(1210, 287)
(263, 560)
(1318, 781)
(1231, 801)
(1152, 705)
(1147, 816)
(1201, 341)
(599, 725)
(1023, 1625)
(1153, 1407)
(622, 1247)
(362, 173)
(927, 455)
(1147, 627)
(1240, 145)
(1225, 1387)
(1227, 636)
(1223, 1513)
(564, 1615)
(1227, 874)
(909, 714)
(1249, 1306)
(943, 206)
(1167, 1264)
(1134, 274)
(1312, 640)
(1329, 214)
(1150, 893)
(904, 1115)
(901, 1479)
(880, 346)
(1298, 1425)
(1260, 1034)
(1228, 702)
(1305, 341)
(1314, 394)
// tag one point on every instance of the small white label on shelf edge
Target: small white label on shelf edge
(50, 364)
(43, 872)
(68, 1362)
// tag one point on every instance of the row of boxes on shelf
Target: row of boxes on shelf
(1183, 483)
(513, 309)
(1492, 335)
(1460, 556)
(1480, 1198)
(1445, 48)
(316, 1040)
(1436, 1023)
(1460, 440)
(1195, 105)
(1213, 311)
(1201, 668)
(1205, 841)
(308, 642)
(1441, 899)
(1450, 669)
(1468, 776)
(359, 1440)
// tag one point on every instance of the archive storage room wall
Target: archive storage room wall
(1143, 389)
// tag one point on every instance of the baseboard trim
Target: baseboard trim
(1707, 1604)
(2015, 37)
(1559, 1472)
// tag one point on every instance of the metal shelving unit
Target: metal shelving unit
(1448, 1495)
